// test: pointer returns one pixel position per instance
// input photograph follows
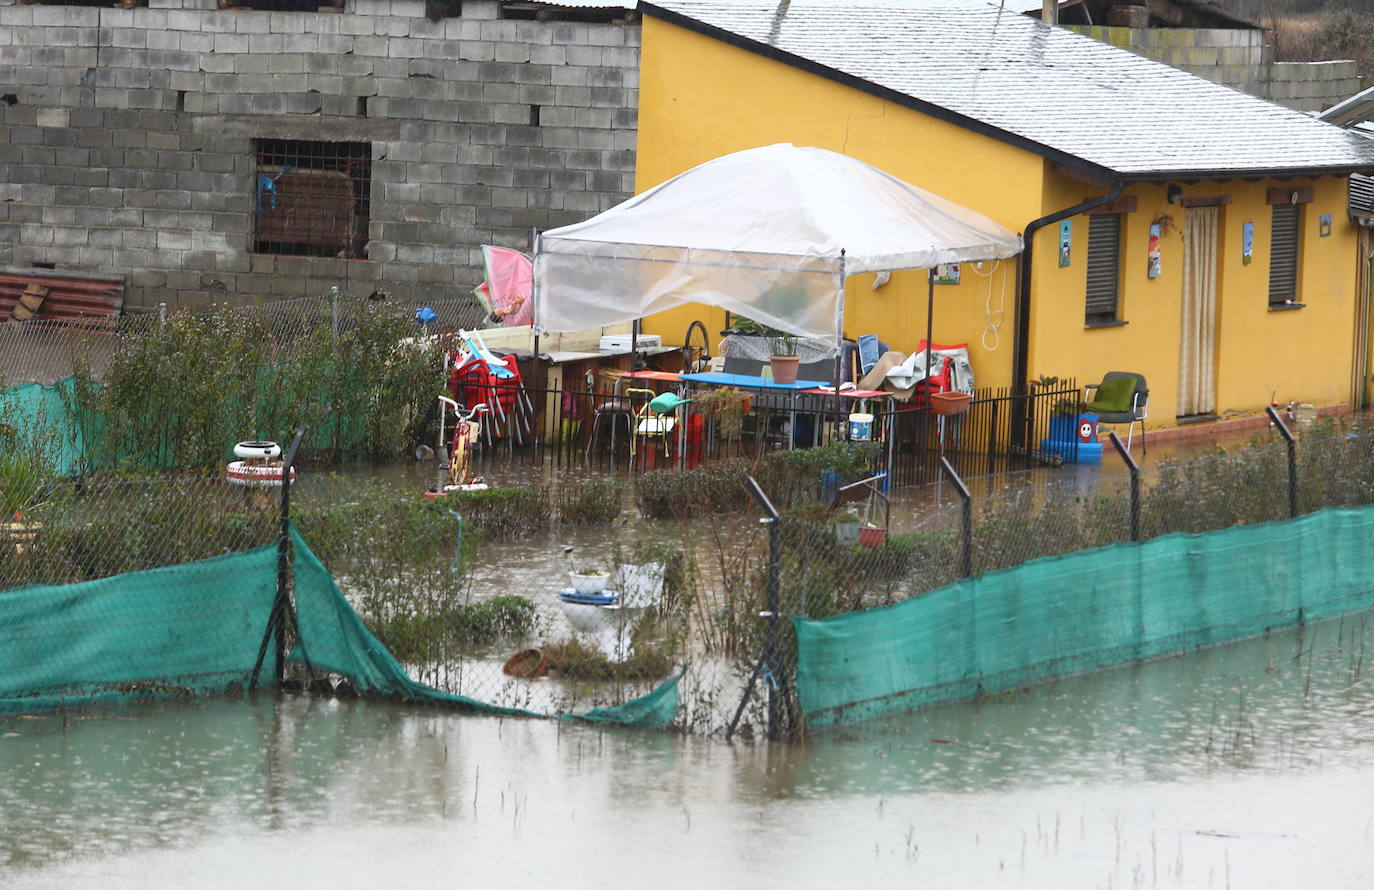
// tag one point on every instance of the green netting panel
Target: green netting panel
(192, 628)
(44, 425)
(1084, 611)
(197, 628)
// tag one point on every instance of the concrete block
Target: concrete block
(620, 161)
(569, 76)
(411, 9)
(302, 43)
(428, 88)
(574, 96)
(217, 21)
(53, 117)
(183, 20)
(597, 118)
(493, 177)
(478, 51)
(289, 83)
(623, 57)
(265, 43)
(287, 63)
(511, 53)
(570, 34)
(523, 135)
(133, 39)
(424, 29)
(608, 97)
(370, 45)
(606, 35)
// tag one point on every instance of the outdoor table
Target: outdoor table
(864, 394)
(745, 381)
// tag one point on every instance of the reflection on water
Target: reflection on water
(1244, 766)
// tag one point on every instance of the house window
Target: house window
(311, 198)
(1283, 254)
(1104, 267)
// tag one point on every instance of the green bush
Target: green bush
(590, 503)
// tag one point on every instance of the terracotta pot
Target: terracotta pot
(785, 368)
(870, 536)
(949, 402)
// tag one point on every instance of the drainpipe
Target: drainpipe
(1020, 361)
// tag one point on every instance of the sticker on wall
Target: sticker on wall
(1154, 267)
(947, 273)
(1247, 243)
(1065, 237)
(1324, 227)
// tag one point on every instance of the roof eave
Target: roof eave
(1258, 173)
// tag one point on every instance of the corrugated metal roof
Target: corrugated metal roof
(1068, 97)
(85, 298)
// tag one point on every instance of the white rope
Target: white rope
(991, 338)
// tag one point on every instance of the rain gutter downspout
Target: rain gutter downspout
(1020, 362)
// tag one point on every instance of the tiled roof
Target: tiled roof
(1062, 95)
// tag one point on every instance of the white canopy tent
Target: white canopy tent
(769, 233)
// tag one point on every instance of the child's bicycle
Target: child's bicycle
(465, 433)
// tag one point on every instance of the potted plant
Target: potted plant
(21, 491)
(585, 580)
(726, 407)
(847, 528)
(784, 360)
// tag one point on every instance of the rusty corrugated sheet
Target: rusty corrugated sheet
(84, 297)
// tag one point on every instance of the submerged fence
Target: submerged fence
(857, 618)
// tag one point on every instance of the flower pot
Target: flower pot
(586, 585)
(872, 536)
(785, 368)
(947, 403)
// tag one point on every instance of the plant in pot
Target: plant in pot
(586, 580)
(726, 407)
(22, 484)
(784, 360)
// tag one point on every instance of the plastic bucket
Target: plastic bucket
(860, 427)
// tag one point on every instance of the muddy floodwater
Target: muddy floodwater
(1244, 766)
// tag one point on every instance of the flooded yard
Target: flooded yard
(1243, 766)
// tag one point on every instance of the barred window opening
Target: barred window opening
(312, 198)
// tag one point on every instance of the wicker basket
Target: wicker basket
(945, 403)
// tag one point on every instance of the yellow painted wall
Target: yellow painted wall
(701, 98)
(1302, 354)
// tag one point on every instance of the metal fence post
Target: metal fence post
(769, 661)
(966, 542)
(1135, 482)
(1292, 443)
(276, 622)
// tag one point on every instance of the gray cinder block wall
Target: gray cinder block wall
(126, 138)
(1240, 59)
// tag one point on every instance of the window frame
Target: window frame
(312, 198)
(1285, 292)
(1109, 311)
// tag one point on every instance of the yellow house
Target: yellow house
(1174, 227)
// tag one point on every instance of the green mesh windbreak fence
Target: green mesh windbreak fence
(43, 426)
(1084, 611)
(197, 628)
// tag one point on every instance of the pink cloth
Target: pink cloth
(510, 281)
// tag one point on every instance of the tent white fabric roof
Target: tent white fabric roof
(769, 233)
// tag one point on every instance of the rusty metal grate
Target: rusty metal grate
(311, 198)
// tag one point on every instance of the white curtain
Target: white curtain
(1197, 341)
(1359, 371)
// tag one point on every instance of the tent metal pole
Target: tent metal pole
(839, 341)
(930, 324)
(534, 304)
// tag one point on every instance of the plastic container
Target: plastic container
(860, 427)
(946, 403)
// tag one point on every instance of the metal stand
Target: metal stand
(282, 607)
(1131, 465)
(1292, 441)
(966, 542)
(769, 660)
